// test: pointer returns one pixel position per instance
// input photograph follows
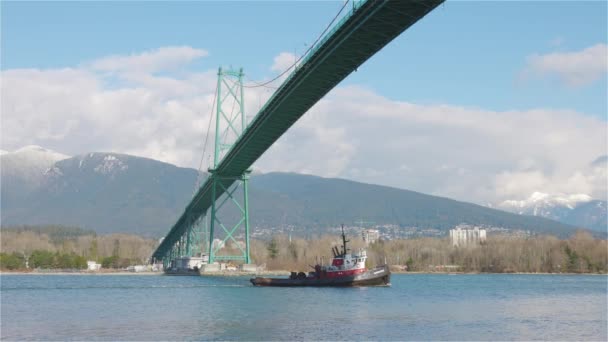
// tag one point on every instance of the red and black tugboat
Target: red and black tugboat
(346, 269)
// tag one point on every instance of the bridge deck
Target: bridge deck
(370, 26)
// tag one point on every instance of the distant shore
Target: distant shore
(50, 272)
(260, 273)
(525, 273)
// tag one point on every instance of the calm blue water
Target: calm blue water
(416, 307)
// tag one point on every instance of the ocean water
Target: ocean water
(415, 307)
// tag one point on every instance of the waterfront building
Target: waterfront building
(370, 235)
(93, 266)
(464, 235)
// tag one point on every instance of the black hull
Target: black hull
(379, 276)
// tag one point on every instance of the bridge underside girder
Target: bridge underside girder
(370, 26)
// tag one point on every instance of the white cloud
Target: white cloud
(283, 61)
(150, 61)
(77, 110)
(573, 68)
(282, 67)
(465, 153)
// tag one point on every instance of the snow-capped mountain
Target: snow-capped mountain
(112, 192)
(29, 162)
(541, 204)
(98, 162)
(108, 192)
(23, 170)
(576, 209)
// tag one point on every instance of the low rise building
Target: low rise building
(370, 235)
(93, 266)
(464, 235)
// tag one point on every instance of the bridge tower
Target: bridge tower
(232, 222)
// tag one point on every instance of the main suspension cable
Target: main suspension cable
(302, 56)
(198, 176)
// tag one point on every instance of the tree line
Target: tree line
(66, 247)
(42, 259)
(581, 253)
(59, 247)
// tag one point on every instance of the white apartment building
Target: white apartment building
(370, 235)
(463, 235)
(93, 266)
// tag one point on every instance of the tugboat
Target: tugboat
(346, 269)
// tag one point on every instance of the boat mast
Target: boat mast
(344, 241)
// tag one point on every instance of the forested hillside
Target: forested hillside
(109, 192)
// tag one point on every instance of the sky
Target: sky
(479, 101)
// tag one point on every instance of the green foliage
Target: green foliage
(109, 262)
(67, 261)
(12, 261)
(273, 250)
(573, 260)
(50, 260)
(410, 264)
(115, 262)
(42, 259)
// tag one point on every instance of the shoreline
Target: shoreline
(518, 273)
(79, 273)
(265, 273)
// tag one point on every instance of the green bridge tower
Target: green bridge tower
(230, 223)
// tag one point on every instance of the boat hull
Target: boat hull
(182, 272)
(379, 276)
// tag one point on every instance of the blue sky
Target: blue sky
(464, 53)
(478, 101)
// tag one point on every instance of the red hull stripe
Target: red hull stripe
(337, 274)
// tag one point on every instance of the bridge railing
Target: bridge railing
(356, 4)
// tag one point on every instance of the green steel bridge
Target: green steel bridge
(365, 29)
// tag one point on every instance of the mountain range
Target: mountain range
(111, 192)
(575, 209)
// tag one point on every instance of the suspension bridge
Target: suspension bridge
(365, 29)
